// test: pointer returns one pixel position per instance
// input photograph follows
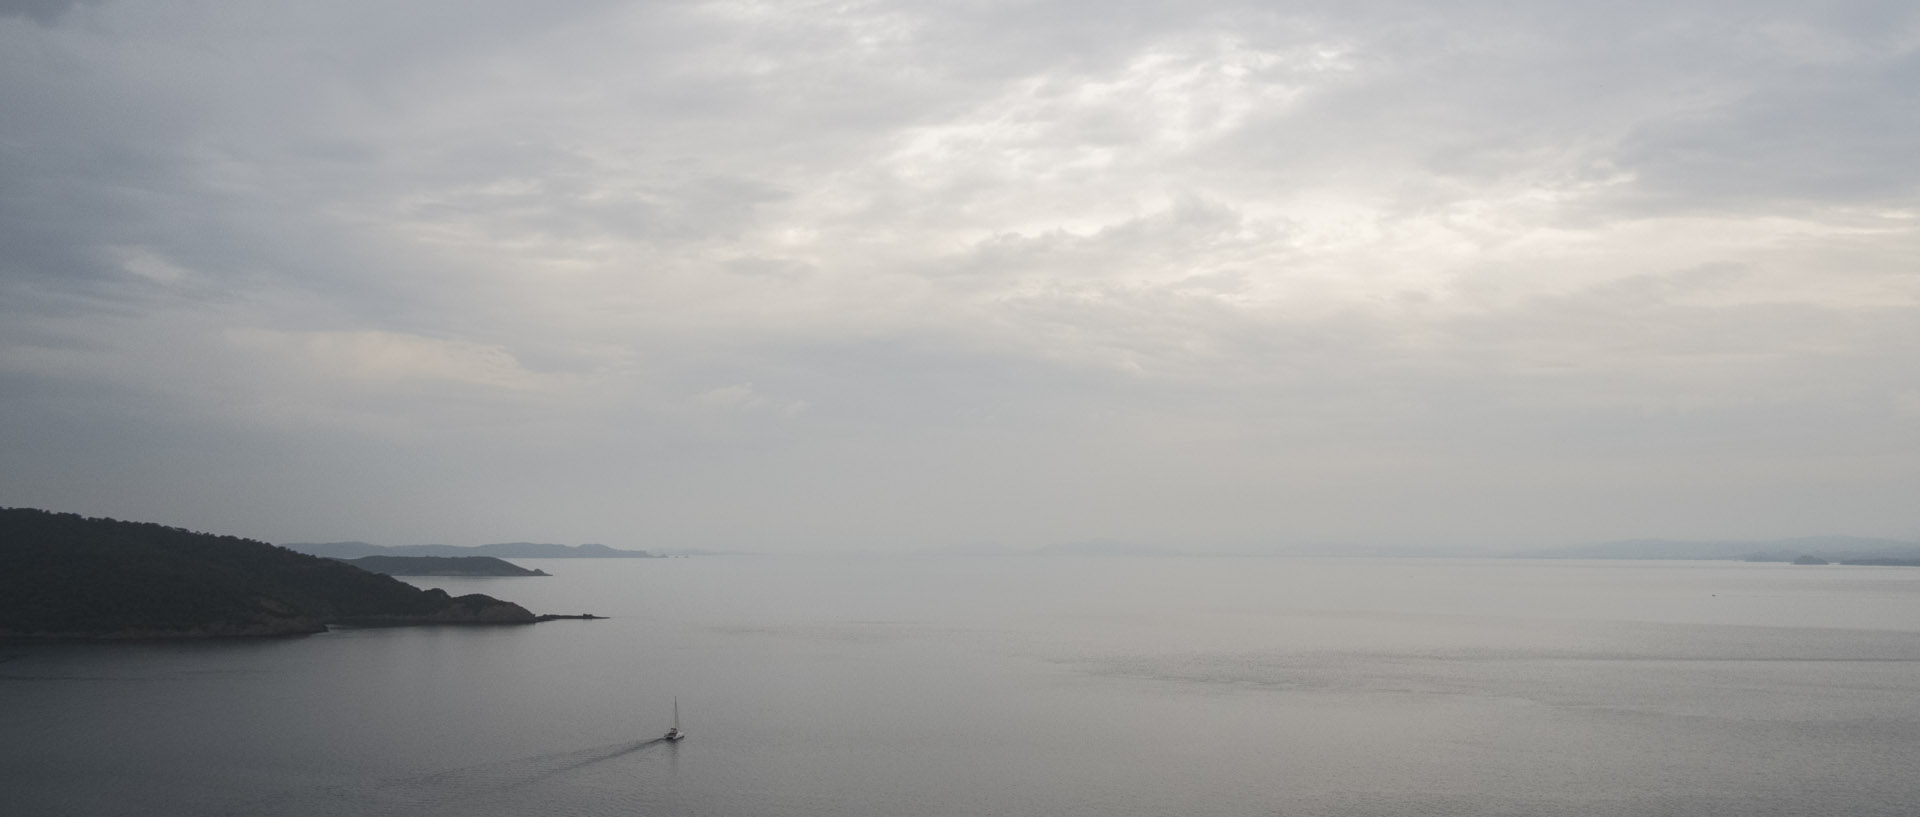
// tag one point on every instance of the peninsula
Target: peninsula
(441, 566)
(72, 577)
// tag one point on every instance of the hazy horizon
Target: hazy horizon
(890, 277)
(1839, 546)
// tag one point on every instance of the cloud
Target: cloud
(44, 12)
(390, 357)
(1908, 403)
(741, 397)
(1839, 132)
(1140, 269)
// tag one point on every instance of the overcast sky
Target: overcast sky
(868, 275)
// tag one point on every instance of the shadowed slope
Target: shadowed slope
(66, 576)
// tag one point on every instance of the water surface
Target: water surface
(971, 686)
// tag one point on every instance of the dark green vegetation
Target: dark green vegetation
(441, 566)
(67, 576)
(506, 550)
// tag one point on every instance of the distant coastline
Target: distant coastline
(1805, 550)
(503, 550)
(441, 566)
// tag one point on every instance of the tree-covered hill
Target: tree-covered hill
(67, 576)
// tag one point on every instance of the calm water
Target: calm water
(1016, 686)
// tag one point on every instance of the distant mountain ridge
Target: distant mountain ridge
(1834, 548)
(505, 550)
(1105, 547)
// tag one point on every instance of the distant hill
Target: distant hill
(441, 566)
(1832, 548)
(67, 576)
(1105, 547)
(504, 550)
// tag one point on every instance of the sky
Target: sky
(875, 276)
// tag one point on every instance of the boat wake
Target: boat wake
(472, 789)
(510, 774)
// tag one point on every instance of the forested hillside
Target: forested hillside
(67, 576)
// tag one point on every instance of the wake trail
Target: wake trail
(470, 791)
(616, 751)
(533, 766)
(438, 791)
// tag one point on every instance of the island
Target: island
(441, 566)
(71, 577)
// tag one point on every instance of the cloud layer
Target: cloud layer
(876, 275)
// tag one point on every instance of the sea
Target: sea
(1021, 685)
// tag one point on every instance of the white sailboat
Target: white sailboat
(675, 733)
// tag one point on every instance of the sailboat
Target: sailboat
(675, 733)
